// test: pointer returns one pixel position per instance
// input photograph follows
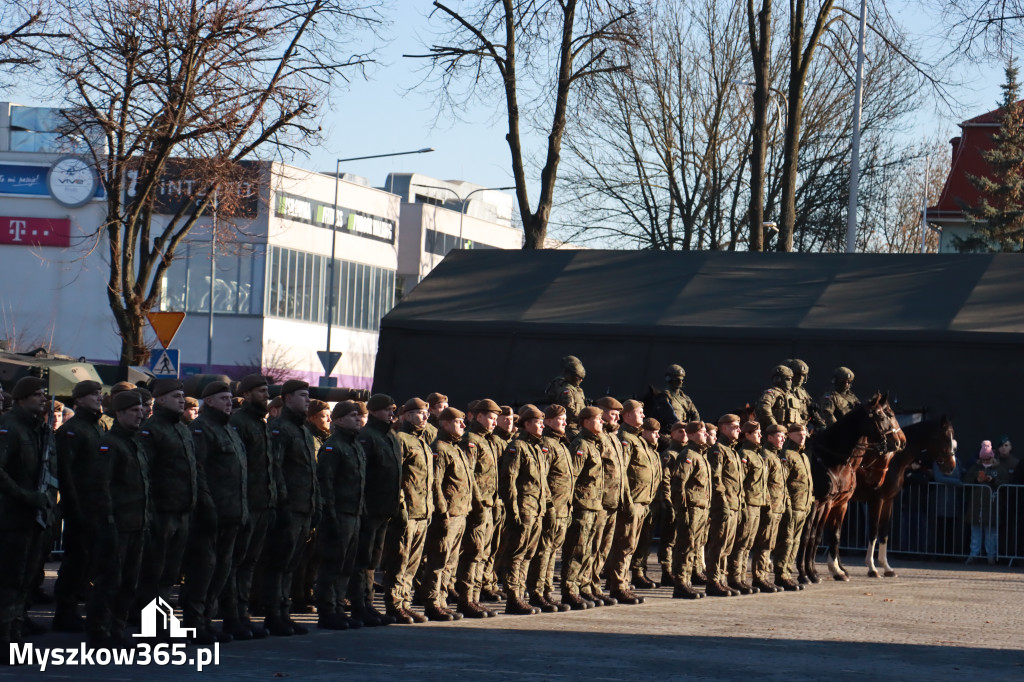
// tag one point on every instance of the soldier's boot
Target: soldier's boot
(666, 576)
(237, 629)
(516, 606)
(67, 619)
(331, 621)
(297, 628)
(31, 627)
(607, 600)
(222, 636)
(623, 597)
(592, 601)
(370, 616)
(764, 586)
(400, 615)
(538, 600)
(738, 585)
(639, 598)
(470, 609)
(642, 582)
(683, 590)
(716, 589)
(575, 601)
(258, 631)
(416, 617)
(437, 613)
(550, 597)
(700, 579)
(787, 584)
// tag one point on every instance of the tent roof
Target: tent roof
(951, 297)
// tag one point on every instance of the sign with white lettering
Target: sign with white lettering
(27, 180)
(322, 215)
(72, 181)
(35, 231)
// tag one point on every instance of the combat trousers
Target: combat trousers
(496, 557)
(788, 544)
(284, 551)
(691, 534)
(403, 550)
(476, 551)
(372, 533)
(118, 558)
(721, 537)
(521, 540)
(339, 542)
(578, 550)
(304, 577)
(444, 538)
(248, 549)
(75, 569)
(207, 566)
(603, 539)
(165, 544)
(21, 551)
(628, 526)
(540, 579)
(645, 539)
(665, 522)
(764, 543)
(746, 532)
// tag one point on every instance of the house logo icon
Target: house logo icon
(158, 611)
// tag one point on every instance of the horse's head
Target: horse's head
(888, 433)
(941, 446)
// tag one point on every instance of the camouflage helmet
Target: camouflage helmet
(782, 371)
(572, 365)
(675, 372)
(798, 366)
(842, 374)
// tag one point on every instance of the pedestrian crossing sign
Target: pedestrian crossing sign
(164, 363)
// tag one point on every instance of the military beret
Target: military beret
(276, 403)
(796, 426)
(84, 388)
(709, 427)
(608, 403)
(631, 405)
(677, 426)
(215, 387)
(144, 392)
(413, 404)
(471, 405)
(775, 428)
(529, 411)
(126, 400)
(436, 399)
(252, 381)
(749, 427)
(293, 385)
(191, 402)
(26, 386)
(652, 424)
(379, 401)
(316, 407)
(694, 427)
(486, 405)
(589, 412)
(553, 411)
(675, 371)
(728, 419)
(122, 386)
(506, 411)
(347, 407)
(450, 414)
(163, 387)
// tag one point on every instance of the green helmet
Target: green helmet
(675, 371)
(782, 371)
(842, 374)
(572, 365)
(798, 366)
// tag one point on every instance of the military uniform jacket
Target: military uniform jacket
(484, 451)
(119, 470)
(804, 403)
(453, 477)
(727, 475)
(643, 465)
(677, 404)
(501, 440)
(588, 471)
(798, 476)
(295, 448)
(755, 476)
(567, 394)
(320, 437)
(221, 460)
(778, 496)
(777, 406)
(76, 439)
(262, 470)
(383, 467)
(669, 459)
(523, 483)
(560, 472)
(417, 491)
(174, 481)
(430, 430)
(835, 404)
(616, 491)
(21, 463)
(691, 479)
(341, 475)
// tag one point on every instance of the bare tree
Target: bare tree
(24, 28)
(197, 88)
(759, 30)
(542, 50)
(984, 27)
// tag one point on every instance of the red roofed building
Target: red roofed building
(947, 213)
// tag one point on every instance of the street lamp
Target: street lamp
(328, 360)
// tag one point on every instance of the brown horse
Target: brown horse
(931, 440)
(836, 453)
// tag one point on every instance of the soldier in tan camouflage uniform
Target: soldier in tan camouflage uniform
(771, 513)
(656, 514)
(691, 497)
(504, 430)
(588, 493)
(616, 497)
(840, 399)
(755, 494)
(777, 405)
(727, 476)
(565, 389)
(804, 402)
(800, 489)
(673, 405)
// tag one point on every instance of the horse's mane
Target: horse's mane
(834, 445)
(917, 436)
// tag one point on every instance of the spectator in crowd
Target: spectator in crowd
(984, 477)
(1011, 506)
(949, 536)
(913, 507)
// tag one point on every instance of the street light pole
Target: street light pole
(213, 287)
(924, 204)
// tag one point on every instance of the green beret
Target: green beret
(84, 388)
(26, 386)
(215, 387)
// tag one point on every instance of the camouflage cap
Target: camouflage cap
(572, 365)
(675, 371)
(608, 403)
(843, 374)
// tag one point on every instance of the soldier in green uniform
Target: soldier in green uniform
(690, 484)
(116, 505)
(298, 506)
(28, 471)
(76, 440)
(673, 405)
(504, 430)
(383, 485)
(805, 404)
(436, 403)
(565, 389)
(453, 499)
(556, 516)
(839, 400)
(771, 513)
(670, 454)
(587, 503)
(727, 476)
(221, 460)
(800, 489)
(407, 530)
(250, 424)
(651, 433)
(318, 423)
(778, 405)
(616, 497)
(755, 496)
(482, 448)
(341, 475)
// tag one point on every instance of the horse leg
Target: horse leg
(886, 518)
(874, 509)
(815, 542)
(805, 554)
(833, 525)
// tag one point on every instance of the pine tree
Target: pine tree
(999, 215)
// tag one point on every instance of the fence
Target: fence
(937, 519)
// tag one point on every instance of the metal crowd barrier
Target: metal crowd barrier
(936, 520)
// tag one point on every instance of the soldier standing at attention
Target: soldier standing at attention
(249, 423)
(771, 513)
(651, 433)
(341, 475)
(504, 430)
(616, 497)
(116, 500)
(318, 422)
(408, 530)
(556, 516)
(588, 494)
(840, 399)
(77, 439)
(436, 403)
(804, 402)
(673, 404)
(800, 489)
(565, 389)
(691, 497)
(678, 440)
(755, 494)
(777, 405)
(727, 474)
(191, 411)
(453, 500)
(383, 485)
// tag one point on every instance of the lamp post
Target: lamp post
(327, 358)
(213, 286)
(924, 205)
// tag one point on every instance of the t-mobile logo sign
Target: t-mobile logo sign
(35, 231)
